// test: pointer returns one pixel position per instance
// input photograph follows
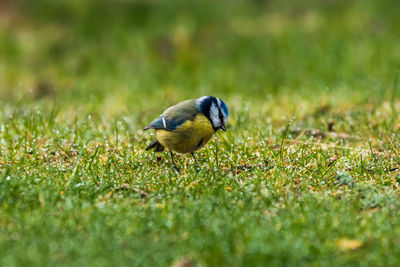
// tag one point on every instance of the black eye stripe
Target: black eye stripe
(221, 118)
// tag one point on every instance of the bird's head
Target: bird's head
(215, 110)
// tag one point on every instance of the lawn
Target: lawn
(308, 172)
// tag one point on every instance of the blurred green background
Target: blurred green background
(123, 56)
(307, 173)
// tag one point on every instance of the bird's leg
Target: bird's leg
(173, 162)
(197, 164)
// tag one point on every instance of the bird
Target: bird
(188, 126)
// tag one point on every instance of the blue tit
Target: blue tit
(187, 126)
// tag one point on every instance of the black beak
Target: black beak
(223, 128)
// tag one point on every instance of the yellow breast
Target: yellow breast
(188, 137)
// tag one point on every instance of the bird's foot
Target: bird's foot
(176, 169)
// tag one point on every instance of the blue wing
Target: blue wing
(175, 116)
(164, 123)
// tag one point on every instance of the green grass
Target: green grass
(307, 173)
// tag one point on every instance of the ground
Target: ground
(307, 173)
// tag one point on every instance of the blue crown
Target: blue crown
(224, 108)
(205, 102)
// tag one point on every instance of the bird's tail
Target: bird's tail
(156, 145)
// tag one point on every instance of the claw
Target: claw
(195, 161)
(176, 169)
(173, 162)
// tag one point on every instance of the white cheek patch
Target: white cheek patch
(219, 102)
(224, 115)
(214, 115)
